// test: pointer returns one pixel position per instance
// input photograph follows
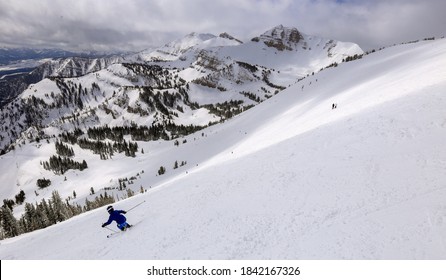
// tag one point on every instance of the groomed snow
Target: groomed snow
(290, 178)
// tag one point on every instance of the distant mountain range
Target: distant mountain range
(17, 55)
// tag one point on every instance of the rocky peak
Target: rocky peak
(280, 37)
(227, 36)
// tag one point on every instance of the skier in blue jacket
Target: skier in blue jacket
(116, 215)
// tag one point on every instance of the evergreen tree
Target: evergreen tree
(41, 215)
(59, 207)
(34, 218)
(9, 222)
(48, 212)
(20, 197)
(43, 183)
(64, 150)
(8, 203)
(88, 205)
(74, 209)
(30, 218)
(83, 165)
(130, 193)
(23, 224)
(162, 170)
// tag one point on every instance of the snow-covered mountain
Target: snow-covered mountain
(292, 178)
(280, 48)
(194, 81)
(76, 66)
(15, 78)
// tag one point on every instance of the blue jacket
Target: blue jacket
(116, 216)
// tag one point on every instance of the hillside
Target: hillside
(291, 178)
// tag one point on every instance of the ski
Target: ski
(116, 232)
(121, 231)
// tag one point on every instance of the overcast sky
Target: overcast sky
(139, 24)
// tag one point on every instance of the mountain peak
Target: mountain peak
(184, 44)
(200, 36)
(280, 37)
(230, 37)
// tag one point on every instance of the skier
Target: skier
(116, 215)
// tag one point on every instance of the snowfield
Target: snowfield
(291, 178)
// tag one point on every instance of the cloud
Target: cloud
(138, 24)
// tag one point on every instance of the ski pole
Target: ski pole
(136, 206)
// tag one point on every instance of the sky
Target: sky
(133, 25)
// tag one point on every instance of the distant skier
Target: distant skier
(116, 215)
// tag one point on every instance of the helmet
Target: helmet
(110, 209)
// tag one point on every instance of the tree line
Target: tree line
(46, 213)
(60, 165)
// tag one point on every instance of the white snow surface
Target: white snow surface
(288, 179)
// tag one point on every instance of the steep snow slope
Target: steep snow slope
(291, 178)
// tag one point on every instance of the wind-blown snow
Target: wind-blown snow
(289, 179)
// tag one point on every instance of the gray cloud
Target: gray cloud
(138, 24)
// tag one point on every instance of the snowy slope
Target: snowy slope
(290, 178)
